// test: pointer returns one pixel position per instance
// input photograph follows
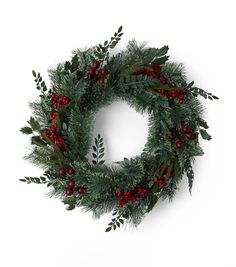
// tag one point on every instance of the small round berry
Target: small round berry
(70, 183)
(62, 171)
(69, 191)
(71, 171)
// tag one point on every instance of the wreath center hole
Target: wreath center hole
(123, 129)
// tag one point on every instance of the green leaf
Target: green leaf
(205, 134)
(34, 73)
(34, 124)
(36, 140)
(120, 29)
(108, 229)
(26, 130)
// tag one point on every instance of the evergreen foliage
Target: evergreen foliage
(142, 77)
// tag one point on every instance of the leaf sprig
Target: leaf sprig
(98, 151)
(102, 52)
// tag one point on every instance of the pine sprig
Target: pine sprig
(98, 151)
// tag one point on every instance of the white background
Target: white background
(197, 230)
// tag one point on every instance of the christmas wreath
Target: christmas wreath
(61, 130)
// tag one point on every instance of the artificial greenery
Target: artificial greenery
(61, 130)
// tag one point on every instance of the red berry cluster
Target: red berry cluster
(97, 74)
(155, 71)
(174, 94)
(71, 186)
(52, 135)
(130, 196)
(58, 101)
(63, 171)
(184, 132)
(160, 181)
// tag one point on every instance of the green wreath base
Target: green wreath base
(61, 130)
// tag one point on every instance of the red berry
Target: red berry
(53, 115)
(174, 93)
(53, 136)
(53, 128)
(96, 64)
(47, 132)
(141, 191)
(161, 91)
(64, 100)
(55, 96)
(55, 105)
(81, 190)
(133, 199)
(119, 193)
(185, 128)
(179, 144)
(70, 183)
(91, 72)
(127, 195)
(101, 80)
(103, 72)
(153, 74)
(163, 80)
(161, 181)
(156, 67)
(181, 98)
(189, 135)
(71, 170)
(69, 191)
(121, 202)
(62, 171)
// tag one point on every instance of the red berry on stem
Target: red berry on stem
(69, 191)
(163, 80)
(156, 67)
(121, 202)
(91, 72)
(70, 183)
(119, 193)
(103, 72)
(71, 170)
(161, 181)
(55, 105)
(64, 100)
(47, 132)
(81, 190)
(53, 128)
(181, 99)
(185, 128)
(179, 144)
(101, 80)
(96, 64)
(161, 91)
(53, 115)
(153, 74)
(55, 96)
(133, 199)
(62, 171)
(189, 135)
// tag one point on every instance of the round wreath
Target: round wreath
(64, 116)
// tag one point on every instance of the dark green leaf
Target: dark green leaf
(26, 130)
(34, 73)
(108, 229)
(205, 134)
